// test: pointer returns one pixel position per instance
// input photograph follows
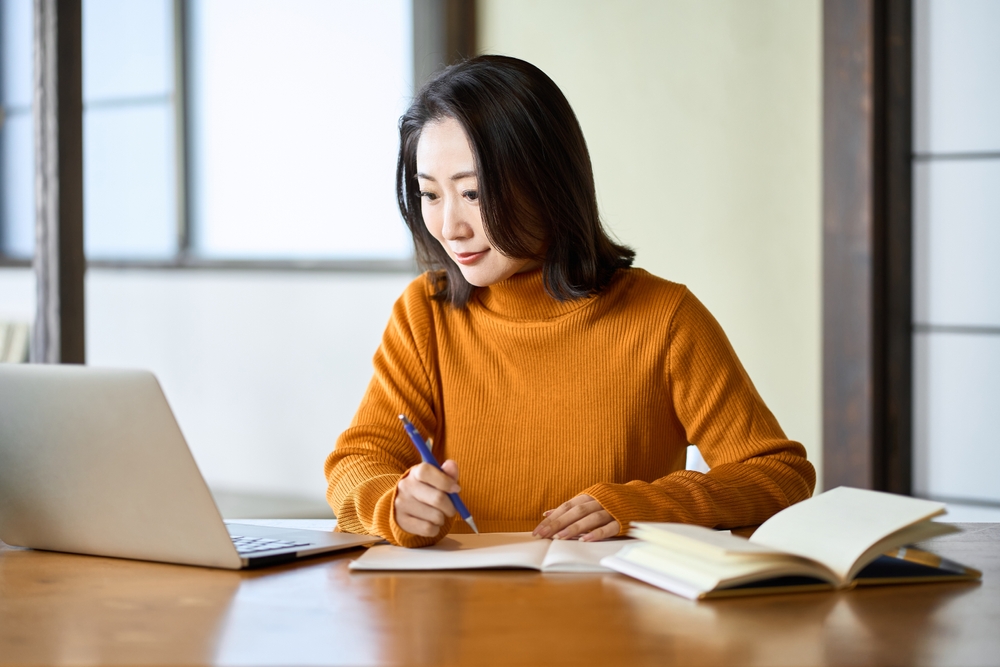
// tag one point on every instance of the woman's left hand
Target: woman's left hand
(581, 517)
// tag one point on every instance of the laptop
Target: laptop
(92, 461)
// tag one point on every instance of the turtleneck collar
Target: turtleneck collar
(523, 297)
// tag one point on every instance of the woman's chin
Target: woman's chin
(477, 279)
(484, 274)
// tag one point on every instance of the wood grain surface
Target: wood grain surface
(80, 610)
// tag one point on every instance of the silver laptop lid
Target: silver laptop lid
(93, 462)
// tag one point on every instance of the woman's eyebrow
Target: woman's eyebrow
(456, 177)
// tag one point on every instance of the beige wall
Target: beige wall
(703, 121)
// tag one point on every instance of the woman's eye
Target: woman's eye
(471, 195)
(429, 196)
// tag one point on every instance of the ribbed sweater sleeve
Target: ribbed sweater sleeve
(755, 470)
(374, 453)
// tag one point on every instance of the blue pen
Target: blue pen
(428, 457)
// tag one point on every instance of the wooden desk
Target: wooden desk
(63, 609)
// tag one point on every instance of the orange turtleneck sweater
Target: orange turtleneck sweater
(539, 400)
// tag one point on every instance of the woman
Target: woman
(567, 384)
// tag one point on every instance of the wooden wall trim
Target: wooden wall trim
(429, 43)
(444, 32)
(896, 473)
(58, 335)
(867, 253)
(460, 31)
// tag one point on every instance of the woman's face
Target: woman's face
(449, 196)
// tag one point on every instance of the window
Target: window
(17, 171)
(293, 139)
(130, 195)
(223, 129)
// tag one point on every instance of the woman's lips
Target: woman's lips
(467, 258)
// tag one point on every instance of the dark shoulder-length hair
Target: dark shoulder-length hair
(536, 183)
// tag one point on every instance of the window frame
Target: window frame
(443, 32)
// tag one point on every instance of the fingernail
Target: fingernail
(542, 532)
(546, 512)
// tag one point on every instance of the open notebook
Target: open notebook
(839, 539)
(493, 551)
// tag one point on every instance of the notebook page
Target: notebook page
(577, 556)
(839, 526)
(714, 545)
(460, 552)
(707, 576)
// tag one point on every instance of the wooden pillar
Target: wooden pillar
(867, 253)
(59, 262)
(460, 29)
(444, 32)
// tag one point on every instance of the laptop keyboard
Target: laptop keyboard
(249, 545)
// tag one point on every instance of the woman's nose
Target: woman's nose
(455, 226)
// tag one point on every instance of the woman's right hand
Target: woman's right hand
(422, 504)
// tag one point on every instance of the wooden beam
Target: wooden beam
(848, 224)
(867, 254)
(460, 29)
(896, 472)
(59, 263)
(444, 32)
(429, 44)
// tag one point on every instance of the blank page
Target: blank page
(714, 545)
(837, 527)
(577, 556)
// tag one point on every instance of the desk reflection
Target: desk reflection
(309, 613)
(67, 609)
(322, 613)
(64, 609)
